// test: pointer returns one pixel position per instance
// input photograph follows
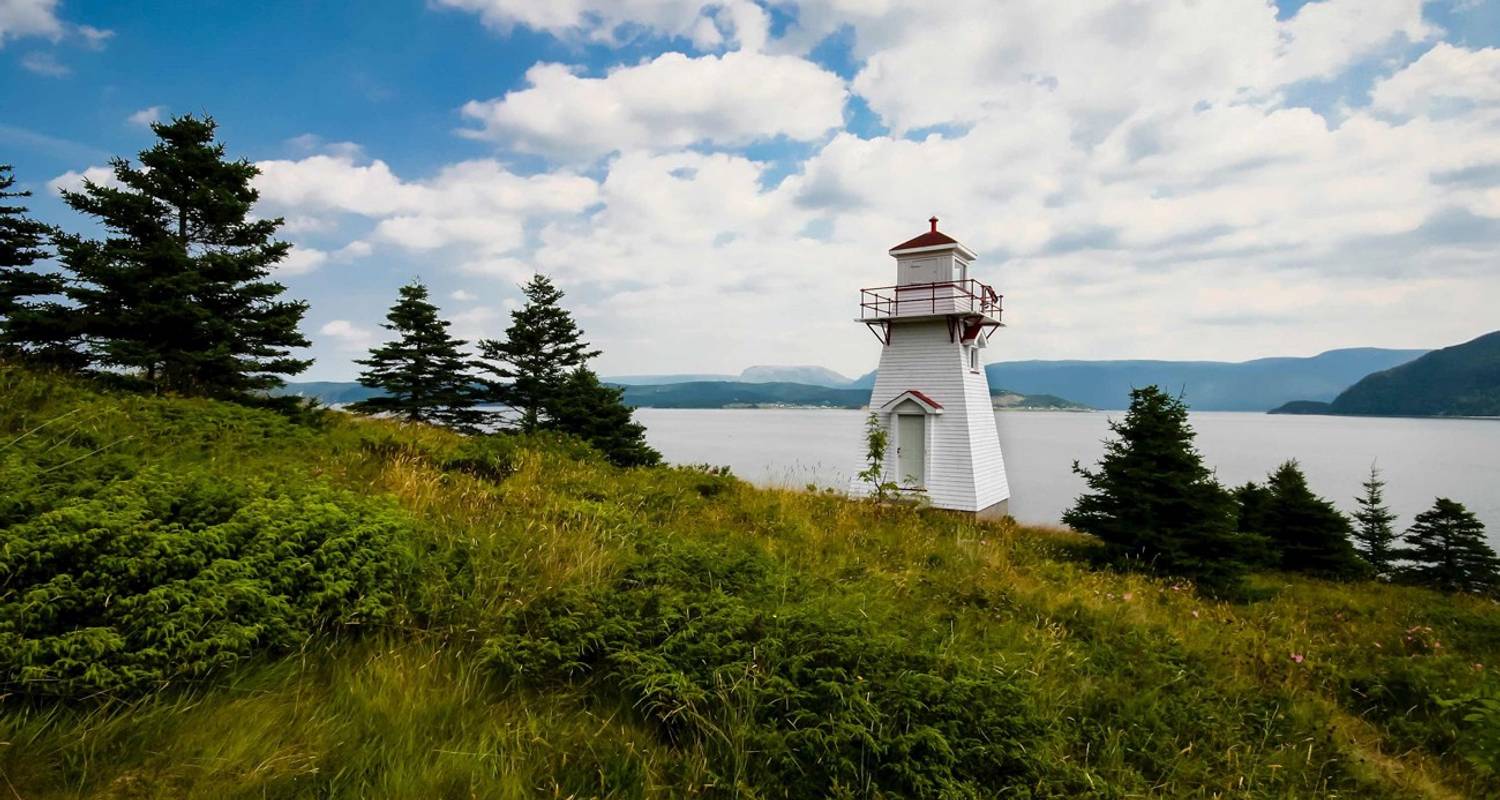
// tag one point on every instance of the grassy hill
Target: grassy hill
(204, 600)
(1462, 380)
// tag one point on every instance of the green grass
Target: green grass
(570, 629)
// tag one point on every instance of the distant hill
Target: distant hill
(740, 394)
(329, 392)
(653, 380)
(810, 375)
(815, 376)
(1462, 380)
(1257, 385)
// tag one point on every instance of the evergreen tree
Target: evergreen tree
(594, 412)
(1447, 551)
(179, 293)
(1307, 532)
(1152, 499)
(1373, 536)
(1251, 500)
(423, 372)
(28, 320)
(542, 345)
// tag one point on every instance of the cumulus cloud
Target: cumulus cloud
(301, 260)
(348, 336)
(463, 296)
(1444, 81)
(708, 25)
(20, 18)
(472, 204)
(73, 180)
(1119, 166)
(44, 63)
(145, 116)
(666, 103)
(29, 18)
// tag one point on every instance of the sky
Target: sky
(712, 184)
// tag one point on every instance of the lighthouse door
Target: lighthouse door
(911, 450)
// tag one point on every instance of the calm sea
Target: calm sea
(1420, 458)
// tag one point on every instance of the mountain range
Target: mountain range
(1258, 385)
(744, 394)
(1462, 380)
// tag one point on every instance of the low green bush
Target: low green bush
(165, 577)
(718, 649)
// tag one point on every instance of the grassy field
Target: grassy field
(516, 618)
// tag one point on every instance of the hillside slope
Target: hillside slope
(1462, 380)
(516, 618)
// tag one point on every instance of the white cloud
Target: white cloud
(667, 103)
(348, 336)
(301, 260)
(1133, 175)
(1446, 79)
(610, 21)
(353, 251)
(93, 38)
(29, 18)
(475, 323)
(146, 116)
(73, 181)
(19, 18)
(44, 63)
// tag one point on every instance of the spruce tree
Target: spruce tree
(595, 413)
(179, 292)
(1373, 537)
(1153, 501)
(1307, 532)
(541, 346)
(423, 371)
(29, 320)
(1447, 551)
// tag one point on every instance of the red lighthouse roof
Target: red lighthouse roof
(931, 238)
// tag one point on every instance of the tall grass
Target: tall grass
(1124, 685)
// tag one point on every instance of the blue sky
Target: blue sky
(712, 183)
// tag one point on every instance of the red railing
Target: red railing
(922, 299)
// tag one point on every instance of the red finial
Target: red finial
(933, 220)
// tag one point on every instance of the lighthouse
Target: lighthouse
(931, 393)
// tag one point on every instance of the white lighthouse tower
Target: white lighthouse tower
(931, 392)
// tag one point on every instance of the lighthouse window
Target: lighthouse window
(973, 358)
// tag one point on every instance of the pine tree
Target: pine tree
(1153, 500)
(28, 319)
(1309, 534)
(594, 412)
(423, 372)
(1447, 551)
(179, 293)
(1373, 536)
(542, 345)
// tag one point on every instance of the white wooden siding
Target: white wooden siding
(965, 468)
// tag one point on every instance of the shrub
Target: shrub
(166, 577)
(787, 699)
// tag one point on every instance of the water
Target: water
(1419, 458)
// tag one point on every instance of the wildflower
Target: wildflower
(1128, 596)
(1478, 666)
(1297, 657)
(1195, 615)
